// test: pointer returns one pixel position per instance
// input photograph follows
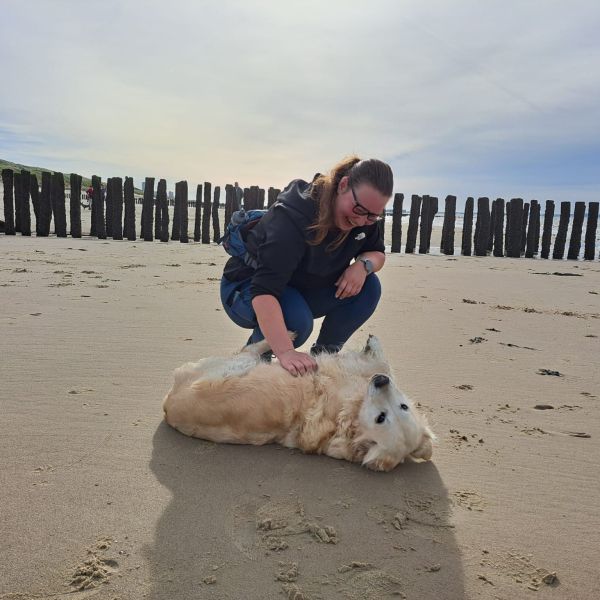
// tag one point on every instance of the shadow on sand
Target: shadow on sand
(268, 522)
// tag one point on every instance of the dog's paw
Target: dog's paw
(373, 346)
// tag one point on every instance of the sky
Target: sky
(462, 97)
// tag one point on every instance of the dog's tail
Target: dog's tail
(263, 346)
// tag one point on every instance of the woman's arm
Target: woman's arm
(353, 278)
(272, 324)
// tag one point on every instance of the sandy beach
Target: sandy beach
(100, 499)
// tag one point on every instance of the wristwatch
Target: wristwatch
(368, 265)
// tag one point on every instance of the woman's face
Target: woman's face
(352, 205)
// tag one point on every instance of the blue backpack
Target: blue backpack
(233, 239)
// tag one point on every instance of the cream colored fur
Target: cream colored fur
(334, 411)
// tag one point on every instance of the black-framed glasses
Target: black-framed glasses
(360, 210)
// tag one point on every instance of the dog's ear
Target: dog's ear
(425, 448)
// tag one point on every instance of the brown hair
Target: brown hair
(324, 191)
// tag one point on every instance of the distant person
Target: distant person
(238, 195)
(316, 253)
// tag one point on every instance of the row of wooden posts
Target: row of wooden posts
(507, 229)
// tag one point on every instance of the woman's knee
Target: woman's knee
(297, 315)
(371, 292)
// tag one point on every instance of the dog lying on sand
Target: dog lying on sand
(349, 408)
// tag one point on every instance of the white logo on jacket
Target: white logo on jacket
(361, 236)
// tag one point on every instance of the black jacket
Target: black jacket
(279, 242)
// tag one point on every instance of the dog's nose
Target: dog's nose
(380, 380)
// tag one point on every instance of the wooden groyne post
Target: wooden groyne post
(576, 229)
(129, 218)
(215, 215)
(590, 231)
(397, 223)
(547, 230)
(206, 213)
(74, 204)
(482, 226)
(198, 214)
(563, 225)
(467, 227)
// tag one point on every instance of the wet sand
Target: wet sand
(99, 498)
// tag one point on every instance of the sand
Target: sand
(99, 498)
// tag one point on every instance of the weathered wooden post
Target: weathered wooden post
(413, 224)
(524, 227)
(93, 208)
(198, 214)
(576, 229)
(425, 210)
(34, 190)
(467, 227)
(9, 206)
(547, 232)
(215, 215)
(22, 185)
(246, 200)
(499, 228)
(447, 245)
(161, 205)
(206, 207)
(109, 207)
(536, 246)
(397, 223)
(45, 205)
(58, 204)
(563, 225)
(183, 212)
(433, 210)
(272, 196)
(490, 241)
(229, 204)
(75, 204)
(158, 207)
(514, 224)
(590, 231)
(99, 225)
(482, 226)
(176, 224)
(25, 205)
(17, 192)
(533, 230)
(148, 210)
(129, 218)
(117, 205)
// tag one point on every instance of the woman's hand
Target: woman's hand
(351, 281)
(297, 363)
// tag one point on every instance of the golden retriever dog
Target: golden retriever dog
(349, 408)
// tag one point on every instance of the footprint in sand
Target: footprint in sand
(468, 499)
(519, 569)
(95, 569)
(269, 526)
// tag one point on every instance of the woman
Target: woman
(316, 252)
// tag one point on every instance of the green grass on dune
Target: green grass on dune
(86, 182)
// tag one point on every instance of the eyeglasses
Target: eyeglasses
(359, 209)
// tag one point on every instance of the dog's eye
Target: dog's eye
(404, 406)
(380, 418)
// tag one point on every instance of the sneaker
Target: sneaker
(317, 349)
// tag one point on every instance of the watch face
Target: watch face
(368, 265)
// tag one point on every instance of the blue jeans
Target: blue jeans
(301, 307)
